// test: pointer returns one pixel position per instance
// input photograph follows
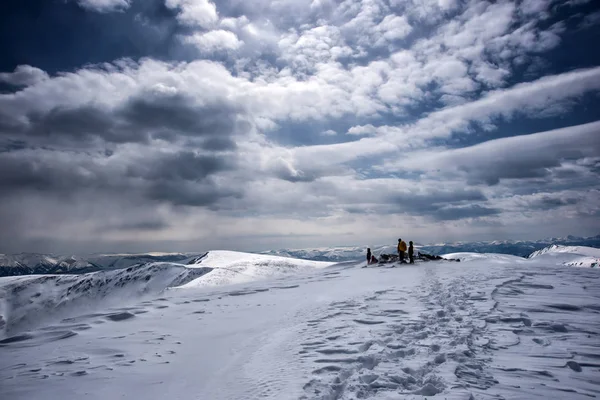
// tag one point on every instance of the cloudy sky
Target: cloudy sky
(182, 125)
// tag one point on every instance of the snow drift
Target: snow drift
(231, 267)
(28, 300)
(573, 256)
(25, 301)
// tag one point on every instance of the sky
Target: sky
(188, 125)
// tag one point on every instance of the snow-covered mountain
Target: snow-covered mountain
(586, 256)
(230, 267)
(333, 254)
(517, 248)
(237, 325)
(31, 263)
(25, 300)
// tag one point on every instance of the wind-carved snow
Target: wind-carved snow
(28, 300)
(572, 256)
(580, 250)
(490, 326)
(232, 267)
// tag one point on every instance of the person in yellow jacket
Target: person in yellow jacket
(401, 249)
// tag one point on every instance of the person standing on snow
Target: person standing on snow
(401, 249)
(411, 252)
(368, 255)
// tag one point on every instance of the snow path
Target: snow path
(486, 328)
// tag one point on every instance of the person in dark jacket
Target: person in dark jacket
(411, 252)
(368, 255)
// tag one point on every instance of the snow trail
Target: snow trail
(491, 327)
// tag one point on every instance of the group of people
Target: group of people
(402, 250)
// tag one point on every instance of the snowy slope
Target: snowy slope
(497, 258)
(579, 250)
(490, 327)
(573, 256)
(31, 263)
(229, 267)
(28, 300)
(334, 254)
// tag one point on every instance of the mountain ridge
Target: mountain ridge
(521, 248)
(36, 263)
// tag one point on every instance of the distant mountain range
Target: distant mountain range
(519, 248)
(31, 263)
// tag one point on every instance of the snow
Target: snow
(17, 260)
(581, 250)
(518, 247)
(572, 256)
(231, 267)
(25, 301)
(490, 326)
(31, 263)
(468, 256)
(337, 253)
(585, 262)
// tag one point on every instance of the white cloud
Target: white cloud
(304, 51)
(201, 13)
(367, 130)
(534, 7)
(329, 132)
(234, 23)
(490, 74)
(427, 11)
(105, 5)
(214, 41)
(24, 75)
(524, 156)
(392, 27)
(526, 98)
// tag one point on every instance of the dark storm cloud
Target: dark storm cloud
(145, 117)
(77, 124)
(436, 204)
(147, 225)
(511, 169)
(219, 144)
(462, 212)
(434, 200)
(25, 171)
(442, 205)
(182, 178)
(181, 166)
(549, 203)
(178, 113)
(12, 145)
(204, 194)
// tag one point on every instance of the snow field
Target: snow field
(487, 327)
